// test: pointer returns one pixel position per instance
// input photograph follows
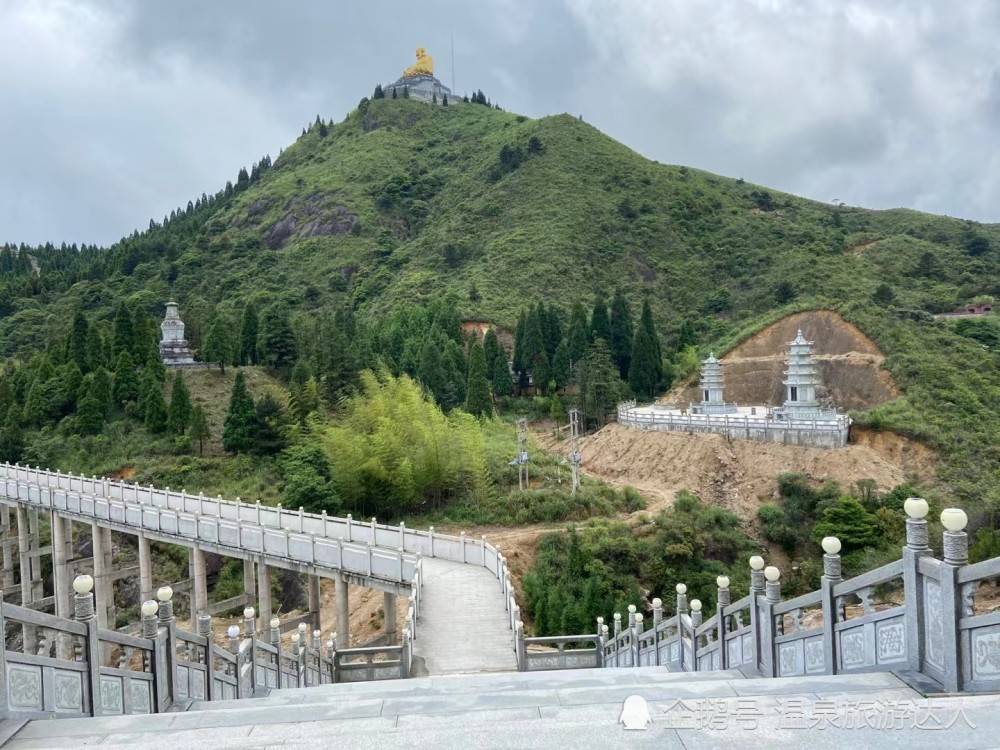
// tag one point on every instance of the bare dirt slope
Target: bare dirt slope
(849, 364)
(735, 474)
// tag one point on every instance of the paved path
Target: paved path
(463, 624)
(572, 709)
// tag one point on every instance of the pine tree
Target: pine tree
(379, 93)
(493, 350)
(551, 328)
(578, 338)
(406, 92)
(502, 383)
(144, 336)
(199, 428)
(95, 350)
(444, 100)
(237, 432)
(600, 325)
(90, 414)
(179, 414)
(11, 439)
(218, 346)
(600, 386)
(277, 343)
(533, 348)
(622, 333)
(247, 354)
(155, 365)
(394, 96)
(477, 399)
(102, 388)
(126, 387)
(78, 341)
(646, 370)
(561, 373)
(519, 343)
(152, 405)
(432, 372)
(122, 338)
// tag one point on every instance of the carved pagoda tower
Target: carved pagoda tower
(174, 348)
(712, 384)
(800, 381)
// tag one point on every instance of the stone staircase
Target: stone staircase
(566, 709)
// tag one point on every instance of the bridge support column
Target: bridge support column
(60, 568)
(263, 592)
(8, 542)
(315, 600)
(343, 614)
(389, 610)
(199, 604)
(250, 582)
(24, 555)
(103, 582)
(145, 570)
(37, 589)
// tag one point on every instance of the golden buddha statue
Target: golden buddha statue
(423, 67)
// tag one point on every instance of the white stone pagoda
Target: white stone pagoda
(712, 386)
(800, 384)
(174, 348)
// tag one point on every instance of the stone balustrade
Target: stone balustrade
(914, 615)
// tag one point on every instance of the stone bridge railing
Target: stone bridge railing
(77, 669)
(917, 615)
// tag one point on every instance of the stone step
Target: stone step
(543, 709)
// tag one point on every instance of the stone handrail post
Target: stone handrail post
(618, 624)
(631, 615)
(723, 599)
(522, 662)
(600, 626)
(657, 612)
(636, 637)
(956, 555)
(831, 614)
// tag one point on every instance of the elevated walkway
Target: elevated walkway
(558, 710)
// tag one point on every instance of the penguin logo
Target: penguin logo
(635, 713)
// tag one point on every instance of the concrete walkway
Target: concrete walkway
(573, 710)
(463, 625)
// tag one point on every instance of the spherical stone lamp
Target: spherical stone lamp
(956, 541)
(916, 509)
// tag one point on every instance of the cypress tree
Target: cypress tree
(102, 387)
(560, 365)
(90, 414)
(600, 386)
(432, 371)
(179, 414)
(122, 341)
(493, 350)
(199, 428)
(95, 350)
(578, 339)
(78, 341)
(646, 370)
(152, 403)
(600, 325)
(502, 383)
(622, 333)
(519, 343)
(144, 336)
(126, 387)
(477, 399)
(551, 329)
(247, 353)
(237, 432)
(533, 348)
(277, 342)
(11, 439)
(218, 347)
(156, 366)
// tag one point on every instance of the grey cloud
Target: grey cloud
(123, 110)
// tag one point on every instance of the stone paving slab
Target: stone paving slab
(463, 625)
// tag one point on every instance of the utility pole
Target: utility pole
(521, 461)
(574, 457)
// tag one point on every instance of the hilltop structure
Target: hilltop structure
(801, 420)
(174, 348)
(418, 82)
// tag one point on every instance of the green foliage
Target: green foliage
(395, 452)
(622, 333)
(218, 344)
(200, 431)
(477, 398)
(249, 326)
(646, 373)
(126, 387)
(306, 476)
(277, 342)
(152, 406)
(237, 434)
(179, 414)
(883, 295)
(600, 324)
(848, 520)
(600, 387)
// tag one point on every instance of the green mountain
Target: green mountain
(404, 202)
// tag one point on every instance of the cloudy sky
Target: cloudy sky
(116, 111)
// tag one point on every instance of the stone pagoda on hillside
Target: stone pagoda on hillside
(174, 348)
(800, 384)
(418, 82)
(711, 383)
